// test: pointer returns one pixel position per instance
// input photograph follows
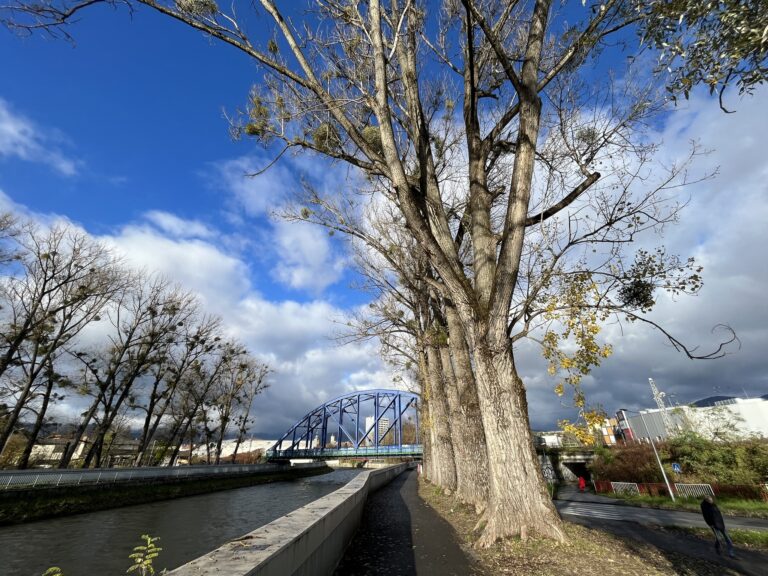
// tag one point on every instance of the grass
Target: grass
(750, 539)
(732, 506)
(588, 552)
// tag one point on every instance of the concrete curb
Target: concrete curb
(309, 541)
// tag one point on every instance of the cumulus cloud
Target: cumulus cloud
(306, 258)
(254, 195)
(21, 138)
(177, 227)
(301, 257)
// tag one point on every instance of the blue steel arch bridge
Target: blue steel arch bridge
(363, 424)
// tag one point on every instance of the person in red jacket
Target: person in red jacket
(582, 484)
(714, 520)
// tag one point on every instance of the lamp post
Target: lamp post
(664, 474)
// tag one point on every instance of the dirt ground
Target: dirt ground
(589, 552)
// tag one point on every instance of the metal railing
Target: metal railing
(694, 490)
(625, 488)
(364, 451)
(46, 478)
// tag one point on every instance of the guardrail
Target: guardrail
(46, 478)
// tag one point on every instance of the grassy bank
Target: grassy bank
(730, 506)
(17, 506)
(749, 539)
(588, 552)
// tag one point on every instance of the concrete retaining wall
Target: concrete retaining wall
(309, 541)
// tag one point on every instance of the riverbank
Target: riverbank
(26, 505)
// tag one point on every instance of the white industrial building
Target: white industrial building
(710, 417)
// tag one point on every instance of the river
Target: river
(98, 543)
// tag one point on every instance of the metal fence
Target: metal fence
(694, 490)
(46, 478)
(625, 488)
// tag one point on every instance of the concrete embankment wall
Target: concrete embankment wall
(309, 541)
(25, 505)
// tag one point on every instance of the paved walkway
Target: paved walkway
(747, 562)
(400, 535)
(571, 493)
(572, 502)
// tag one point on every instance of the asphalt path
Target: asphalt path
(401, 535)
(642, 525)
(681, 545)
(652, 516)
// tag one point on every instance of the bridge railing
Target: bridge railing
(46, 478)
(370, 451)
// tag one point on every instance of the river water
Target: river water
(98, 543)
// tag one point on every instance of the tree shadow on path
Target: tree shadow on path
(400, 535)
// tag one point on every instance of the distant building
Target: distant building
(746, 416)
(550, 439)
(47, 453)
(253, 446)
(608, 431)
(382, 428)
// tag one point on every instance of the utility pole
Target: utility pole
(659, 397)
(655, 453)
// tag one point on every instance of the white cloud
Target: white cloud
(306, 258)
(219, 278)
(21, 138)
(255, 195)
(177, 227)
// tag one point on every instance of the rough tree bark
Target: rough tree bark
(440, 422)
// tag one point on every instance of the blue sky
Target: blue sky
(123, 133)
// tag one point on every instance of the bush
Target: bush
(630, 463)
(710, 462)
(703, 461)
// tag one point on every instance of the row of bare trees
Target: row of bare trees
(121, 348)
(507, 154)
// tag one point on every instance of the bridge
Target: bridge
(364, 424)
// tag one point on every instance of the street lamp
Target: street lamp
(664, 474)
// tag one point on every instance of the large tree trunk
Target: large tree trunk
(441, 423)
(428, 459)
(519, 504)
(474, 434)
(427, 431)
(468, 441)
(183, 431)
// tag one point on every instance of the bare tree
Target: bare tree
(64, 282)
(195, 339)
(197, 393)
(145, 321)
(255, 385)
(238, 385)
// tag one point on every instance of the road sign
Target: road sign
(676, 468)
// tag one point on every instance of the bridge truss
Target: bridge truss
(370, 424)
